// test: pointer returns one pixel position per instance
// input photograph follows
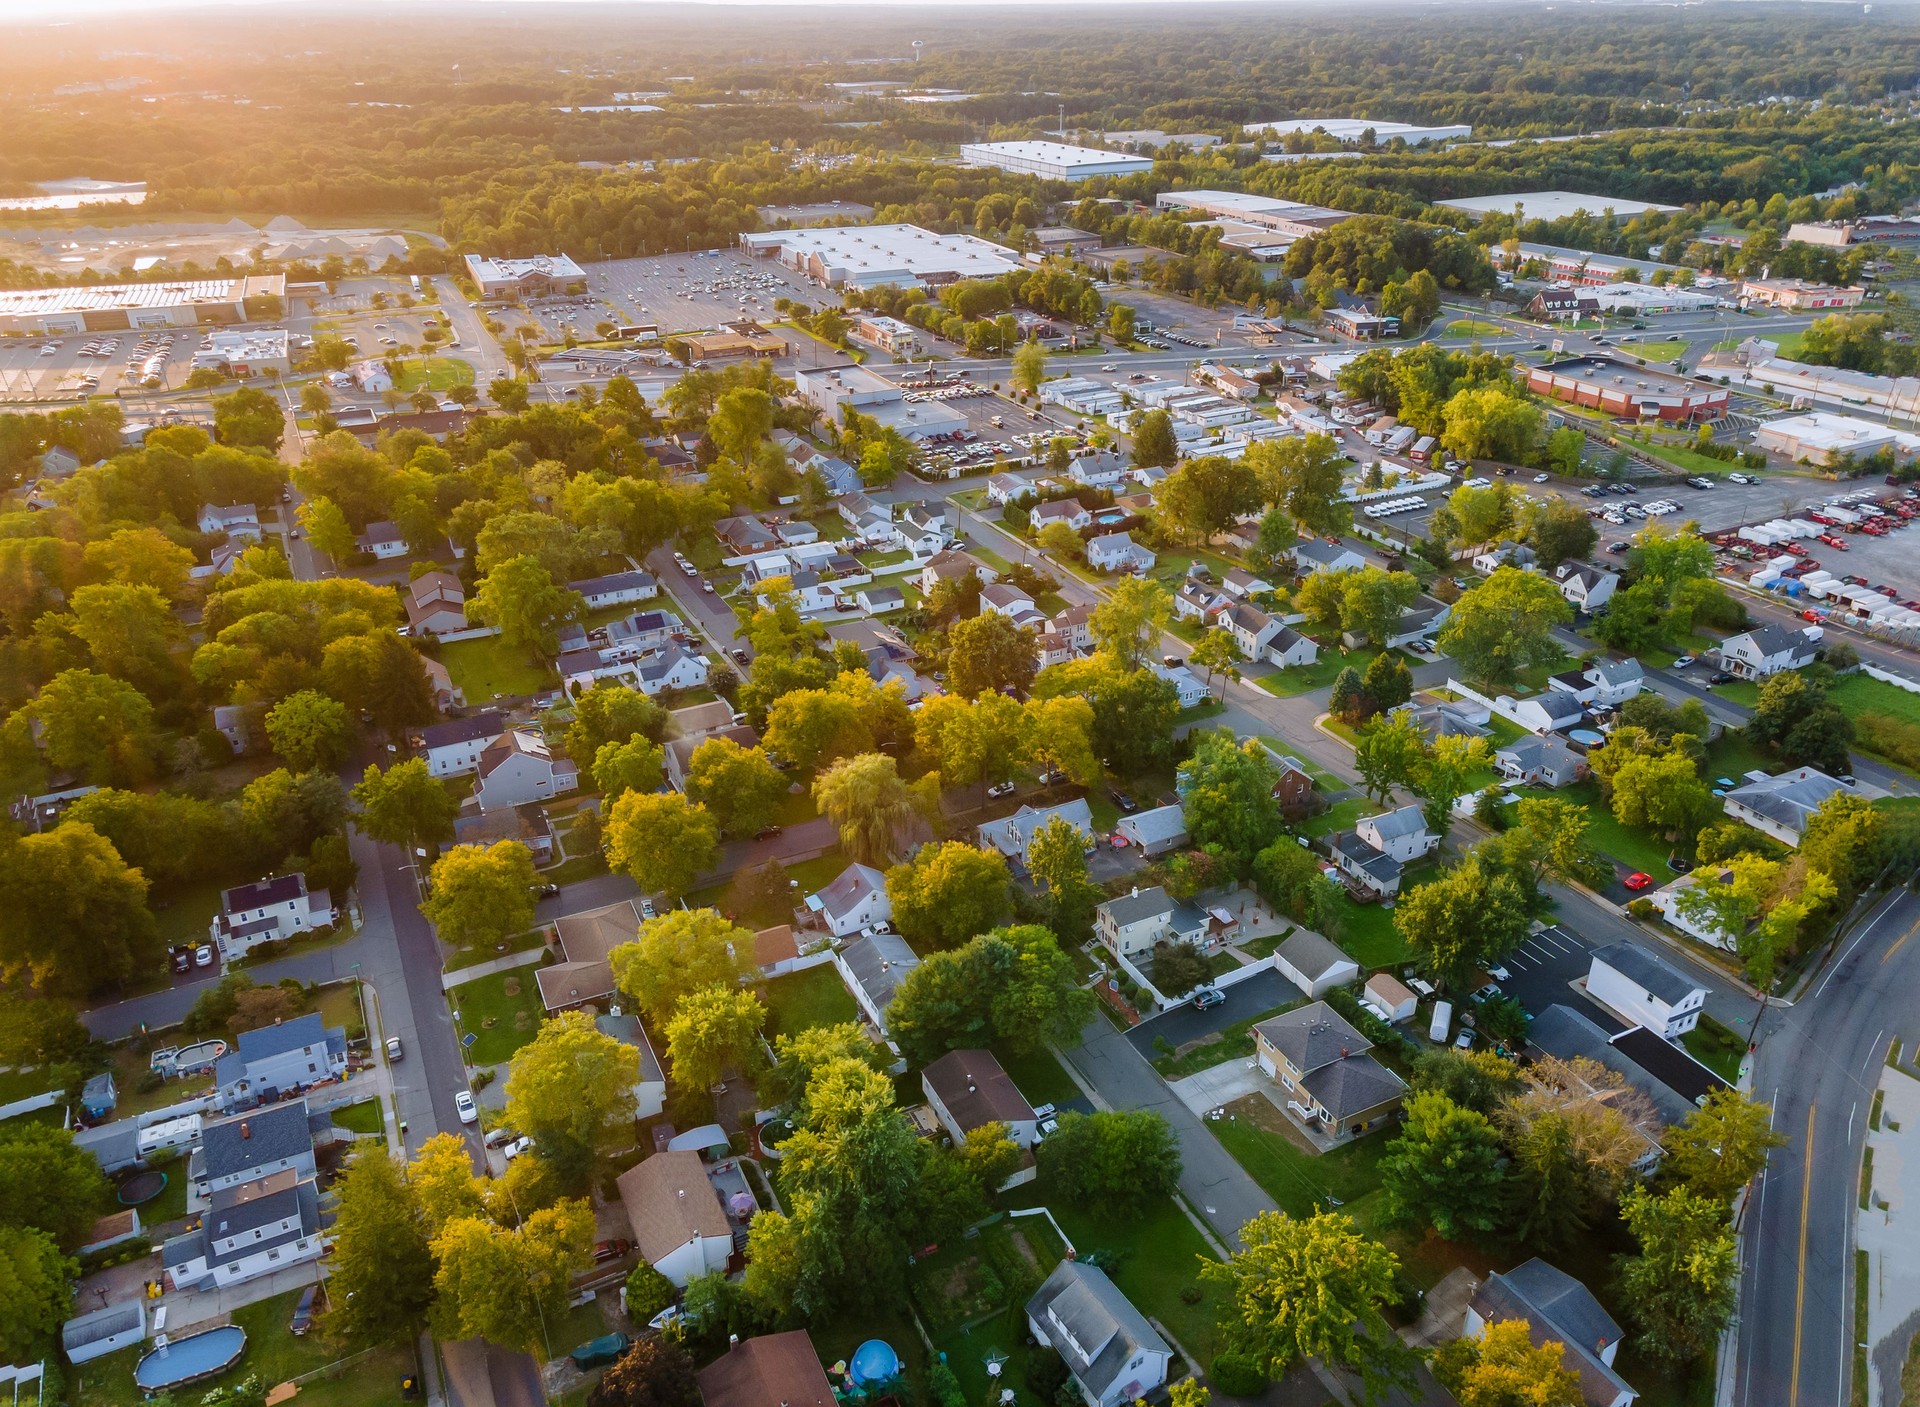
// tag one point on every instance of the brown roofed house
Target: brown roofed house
(586, 941)
(774, 1370)
(969, 1089)
(677, 1220)
(774, 950)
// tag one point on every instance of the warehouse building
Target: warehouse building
(1353, 130)
(522, 278)
(1796, 294)
(1152, 139)
(1843, 234)
(1821, 438)
(1623, 389)
(1053, 161)
(115, 307)
(1556, 205)
(878, 256)
(1807, 383)
(1287, 217)
(245, 353)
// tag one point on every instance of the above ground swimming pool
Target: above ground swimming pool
(190, 1359)
(874, 1362)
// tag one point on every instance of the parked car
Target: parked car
(1487, 993)
(394, 1049)
(612, 1249)
(1126, 803)
(182, 959)
(1637, 881)
(1683, 662)
(544, 891)
(1205, 998)
(516, 1147)
(302, 1319)
(203, 955)
(464, 1106)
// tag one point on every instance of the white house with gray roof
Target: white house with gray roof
(1132, 924)
(1118, 552)
(248, 1230)
(1156, 831)
(1549, 712)
(1113, 1353)
(1401, 833)
(856, 899)
(1765, 651)
(1586, 587)
(1012, 836)
(1557, 1309)
(1540, 761)
(1781, 806)
(1644, 989)
(1312, 555)
(1314, 964)
(271, 1062)
(453, 748)
(872, 967)
(1602, 684)
(245, 1147)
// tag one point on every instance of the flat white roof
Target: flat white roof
(1255, 208)
(39, 302)
(1350, 129)
(1823, 430)
(857, 249)
(552, 265)
(1557, 205)
(1055, 154)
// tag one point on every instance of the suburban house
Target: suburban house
(244, 1147)
(672, 668)
(1602, 684)
(1102, 469)
(1769, 649)
(1118, 552)
(271, 1062)
(856, 899)
(1243, 584)
(1389, 998)
(527, 824)
(1050, 647)
(1003, 489)
(1312, 555)
(649, 1079)
(1013, 603)
(239, 521)
(1070, 511)
(1586, 587)
(1671, 1079)
(1644, 989)
(453, 748)
(1190, 687)
(1368, 871)
(679, 751)
(773, 1368)
(775, 950)
(1557, 1309)
(1314, 964)
(1541, 762)
(1289, 647)
(436, 604)
(586, 941)
(1505, 554)
(518, 767)
(951, 565)
(968, 1090)
(1251, 629)
(267, 910)
(1013, 835)
(872, 968)
(1111, 1350)
(618, 589)
(382, 540)
(1549, 711)
(679, 1226)
(1156, 831)
(745, 535)
(1419, 623)
(1781, 806)
(922, 528)
(1401, 833)
(248, 1230)
(1323, 1063)
(1135, 923)
(230, 722)
(879, 600)
(1197, 601)
(1076, 623)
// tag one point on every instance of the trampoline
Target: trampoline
(197, 1356)
(874, 1362)
(141, 1188)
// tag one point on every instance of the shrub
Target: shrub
(648, 1292)
(1642, 909)
(1239, 1375)
(945, 1387)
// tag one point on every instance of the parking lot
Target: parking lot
(687, 292)
(68, 366)
(1540, 970)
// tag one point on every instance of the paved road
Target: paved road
(1818, 1064)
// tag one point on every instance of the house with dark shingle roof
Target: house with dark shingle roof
(244, 1147)
(872, 967)
(1323, 1064)
(969, 1089)
(1114, 1354)
(1644, 989)
(1768, 649)
(774, 1370)
(1557, 1309)
(286, 1058)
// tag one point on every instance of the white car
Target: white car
(464, 1106)
(1541, 478)
(516, 1148)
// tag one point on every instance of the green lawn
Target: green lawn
(1678, 456)
(1340, 816)
(1717, 1047)
(458, 958)
(502, 1011)
(1235, 1043)
(171, 1204)
(802, 1000)
(1305, 678)
(488, 668)
(362, 1118)
(186, 915)
(1653, 351)
(1368, 934)
(1264, 946)
(1472, 327)
(1858, 694)
(433, 374)
(1321, 776)
(1632, 846)
(1039, 1076)
(23, 1084)
(1301, 1182)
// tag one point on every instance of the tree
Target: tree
(1444, 1170)
(1680, 1289)
(1503, 1368)
(327, 528)
(1480, 1080)
(1057, 861)
(1114, 1160)
(1446, 775)
(1795, 718)
(481, 895)
(1227, 786)
(1206, 496)
(76, 919)
(1153, 443)
(1274, 542)
(1372, 602)
(38, 1292)
(1179, 967)
(521, 597)
(1215, 654)
(379, 674)
(816, 727)
(1388, 681)
(382, 1266)
(1013, 985)
(249, 419)
(130, 632)
(1120, 322)
(1129, 621)
(1660, 790)
(873, 810)
(635, 765)
(948, 893)
(989, 652)
(507, 392)
(405, 805)
(1722, 1145)
(679, 952)
(1847, 840)
(97, 728)
(507, 1286)
(1390, 754)
(1313, 1288)
(1557, 530)
(1029, 367)
(655, 1372)
(1056, 736)
(664, 842)
(739, 785)
(1057, 539)
(712, 1030)
(1505, 625)
(1302, 474)
(48, 1184)
(1134, 710)
(311, 731)
(1462, 920)
(571, 1090)
(1558, 829)
(1491, 422)
(610, 713)
(648, 1292)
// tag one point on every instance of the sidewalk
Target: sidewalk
(1886, 1232)
(450, 980)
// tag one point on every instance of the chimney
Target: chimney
(681, 1192)
(732, 1340)
(246, 1129)
(972, 1088)
(1135, 893)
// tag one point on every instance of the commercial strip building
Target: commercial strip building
(260, 353)
(1842, 234)
(1053, 161)
(518, 278)
(1623, 389)
(1355, 129)
(830, 387)
(116, 307)
(1806, 384)
(876, 256)
(1821, 438)
(1556, 205)
(1287, 217)
(1582, 267)
(1799, 293)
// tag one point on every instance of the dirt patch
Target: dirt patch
(523, 1020)
(1258, 1110)
(1186, 1047)
(510, 986)
(1027, 1253)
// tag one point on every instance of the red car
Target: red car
(1815, 616)
(1637, 880)
(1793, 549)
(1873, 530)
(1832, 541)
(605, 1251)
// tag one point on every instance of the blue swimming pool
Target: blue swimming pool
(190, 1359)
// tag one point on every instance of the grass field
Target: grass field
(488, 668)
(362, 1118)
(1717, 1047)
(1369, 936)
(1679, 457)
(185, 915)
(1337, 817)
(1858, 694)
(433, 374)
(1039, 1076)
(1301, 1182)
(1305, 678)
(501, 1011)
(1653, 351)
(1472, 327)
(802, 1000)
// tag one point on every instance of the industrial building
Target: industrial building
(1821, 439)
(1053, 161)
(245, 353)
(1354, 129)
(831, 387)
(1556, 205)
(1581, 267)
(1641, 299)
(519, 278)
(1842, 234)
(1152, 139)
(1623, 389)
(876, 256)
(1798, 293)
(1807, 383)
(1287, 217)
(115, 307)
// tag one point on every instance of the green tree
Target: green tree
(1372, 602)
(1117, 1161)
(679, 952)
(382, 1266)
(1661, 790)
(1722, 1145)
(655, 1372)
(610, 713)
(1461, 921)
(1502, 1367)
(1215, 654)
(382, 675)
(1313, 1288)
(1227, 790)
(1206, 496)
(1388, 681)
(405, 805)
(1059, 540)
(96, 728)
(1131, 618)
(327, 529)
(1557, 530)
(1153, 443)
(1679, 1290)
(873, 810)
(1505, 625)
(521, 597)
(1491, 422)
(75, 920)
(712, 1030)
(507, 1286)
(1303, 475)
(311, 731)
(635, 765)
(38, 1294)
(571, 1090)
(1798, 721)
(1446, 775)
(48, 1184)
(1444, 1170)
(1481, 1080)
(1390, 754)
(988, 652)
(648, 1292)
(1029, 367)
(481, 895)
(663, 841)
(816, 727)
(739, 785)
(1057, 861)
(249, 419)
(948, 893)
(1134, 710)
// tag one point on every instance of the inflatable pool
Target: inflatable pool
(874, 1362)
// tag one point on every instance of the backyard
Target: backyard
(1300, 1181)
(489, 668)
(1368, 935)
(501, 1012)
(800, 1001)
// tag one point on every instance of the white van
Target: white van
(1442, 1022)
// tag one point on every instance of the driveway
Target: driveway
(1180, 1024)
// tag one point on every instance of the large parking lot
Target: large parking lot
(687, 292)
(70, 365)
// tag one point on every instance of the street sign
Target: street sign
(1559, 345)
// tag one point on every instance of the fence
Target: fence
(1899, 681)
(46, 1099)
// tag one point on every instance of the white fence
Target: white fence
(1899, 681)
(45, 1100)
